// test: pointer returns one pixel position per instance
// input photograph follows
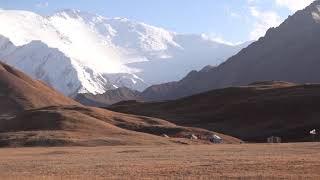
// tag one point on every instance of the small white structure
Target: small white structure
(274, 139)
(165, 136)
(216, 139)
(192, 137)
(313, 132)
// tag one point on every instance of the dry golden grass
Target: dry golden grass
(254, 161)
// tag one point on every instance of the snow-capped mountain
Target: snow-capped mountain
(53, 67)
(38, 60)
(75, 51)
(289, 53)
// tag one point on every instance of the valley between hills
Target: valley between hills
(83, 96)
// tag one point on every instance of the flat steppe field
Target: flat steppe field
(246, 161)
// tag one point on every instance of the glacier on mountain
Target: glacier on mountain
(75, 51)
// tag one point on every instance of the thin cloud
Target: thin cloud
(263, 21)
(294, 5)
(42, 4)
(218, 39)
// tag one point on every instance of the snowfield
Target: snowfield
(76, 51)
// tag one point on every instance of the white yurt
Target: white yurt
(216, 139)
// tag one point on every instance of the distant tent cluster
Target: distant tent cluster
(275, 139)
(213, 138)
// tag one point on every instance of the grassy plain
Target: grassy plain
(245, 161)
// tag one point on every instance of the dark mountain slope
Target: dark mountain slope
(251, 113)
(289, 52)
(109, 97)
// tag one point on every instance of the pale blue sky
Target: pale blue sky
(227, 20)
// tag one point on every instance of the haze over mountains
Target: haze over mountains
(109, 97)
(289, 52)
(95, 54)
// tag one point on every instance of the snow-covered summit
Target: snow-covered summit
(94, 53)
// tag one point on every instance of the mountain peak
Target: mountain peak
(316, 11)
(313, 10)
(76, 14)
(307, 19)
(314, 4)
(96, 54)
(123, 19)
(286, 53)
(69, 12)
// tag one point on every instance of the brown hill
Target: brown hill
(83, 126)
(19, 92)
(287, 53)
(32, 114)
(251, 113)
